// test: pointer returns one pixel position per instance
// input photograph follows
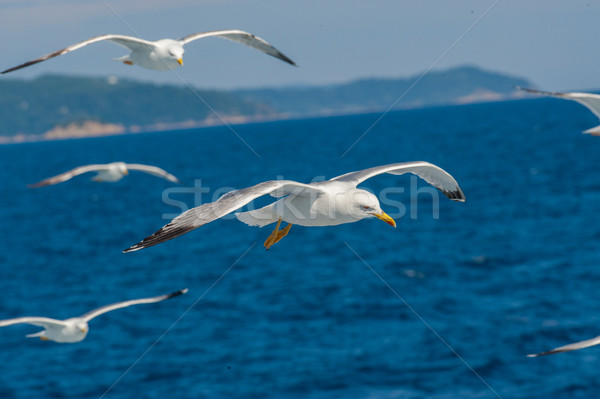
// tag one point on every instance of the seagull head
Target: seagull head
(167, 54)
(81, 327)
(122, 168)
(366, 205)
(173, 53)
(176, 54)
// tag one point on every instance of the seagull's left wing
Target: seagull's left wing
(130, 42)
(97, 312)
(229, 202)
(153, 170)
(432, 174)
(571, 347)
(240, 36)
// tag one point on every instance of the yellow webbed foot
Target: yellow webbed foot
(271, 238)
(277, 235)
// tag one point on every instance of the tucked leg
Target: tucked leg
(277, 234)
(270, 239)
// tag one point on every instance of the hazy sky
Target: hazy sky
(554, 43)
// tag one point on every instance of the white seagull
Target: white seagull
(75, 329)
(110, 172)
(164, 54)
(589, 100)
(571, 347)
(325, 203)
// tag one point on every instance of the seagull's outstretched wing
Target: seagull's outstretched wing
(589, 100)
(97, 312)
(228, 203)
(153, 170)
(432, 174)
(132, 43)
(36, 321)
(241, 37)
(571, 347)
(67, 175)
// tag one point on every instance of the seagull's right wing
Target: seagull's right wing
(36, 321)
(97, 312)
(432, 174)
(153, 170)
(240, 36)
(67, 175)
(132, 43)
(589, 100)
(228, 203)
(571, 347)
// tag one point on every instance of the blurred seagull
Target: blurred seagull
(589, 100)
(571, 347)
(325, 203)
(75, 329)
(164, 54)
(110, 172)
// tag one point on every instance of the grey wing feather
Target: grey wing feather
(67, 175)
(589, 100)
(104, 309)
(432, 174)
(571, 347)
(207, 213)
(153, 170)
(36, 321)
(240, 36)
(130, 42)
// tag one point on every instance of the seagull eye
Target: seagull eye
(366, 208)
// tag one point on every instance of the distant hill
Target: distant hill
(453, 86)
(37, 106)
(62, 106)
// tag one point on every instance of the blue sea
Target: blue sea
(446, 305)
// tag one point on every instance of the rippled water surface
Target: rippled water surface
(438, 308)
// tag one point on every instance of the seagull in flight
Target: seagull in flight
(325, 203)
(164, 54)
(75, 329)
(110, 172)
(589, 100)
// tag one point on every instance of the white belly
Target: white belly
(109, 175)
(307, 211)
(151, 60)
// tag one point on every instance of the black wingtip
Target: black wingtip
(456, 195)
(176, 293)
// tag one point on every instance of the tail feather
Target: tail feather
(37, 334)
(258, 217)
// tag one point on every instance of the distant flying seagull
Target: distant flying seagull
(589, 100)
(75, 329)
(110, 172)
(164, 54)
(325, 203)
(571, 347)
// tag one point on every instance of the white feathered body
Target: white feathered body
(309, 208)
(74, 330)
(158, 58)
(114, 172)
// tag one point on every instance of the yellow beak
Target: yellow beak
(180, 61)
(386, 218)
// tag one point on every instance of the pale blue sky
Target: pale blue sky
(554, 43)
